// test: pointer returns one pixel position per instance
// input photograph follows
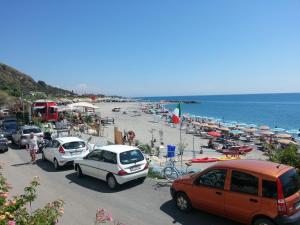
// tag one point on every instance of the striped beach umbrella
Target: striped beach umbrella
(277, 129)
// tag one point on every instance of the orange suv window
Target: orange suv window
(213, 178)
(269, 189)
(244, 183)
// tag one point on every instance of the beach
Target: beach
(142, 124)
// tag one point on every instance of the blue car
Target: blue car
(9, 129)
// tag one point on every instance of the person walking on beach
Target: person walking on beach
(32, 147)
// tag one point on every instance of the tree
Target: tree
(4, 98)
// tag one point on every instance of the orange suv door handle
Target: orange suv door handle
(253, 200)
(218, 193)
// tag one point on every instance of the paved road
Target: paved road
(134, 204)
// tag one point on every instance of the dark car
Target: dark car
(3, 143)
(9, 129)
(9, 120)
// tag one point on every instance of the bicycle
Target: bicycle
(171, 173)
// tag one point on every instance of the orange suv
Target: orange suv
(253, 192)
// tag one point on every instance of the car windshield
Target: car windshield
(132, 156)
(32, 130)
(74, 145)
(290, 182)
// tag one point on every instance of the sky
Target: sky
(155, 47)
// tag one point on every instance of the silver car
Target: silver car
(21, 137)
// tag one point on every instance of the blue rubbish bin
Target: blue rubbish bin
(171, 151)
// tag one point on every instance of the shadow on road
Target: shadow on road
(98, 185)
(193, 218)
(22, 164)
(48, 166)
(14, 147)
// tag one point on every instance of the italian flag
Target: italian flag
(176, 114)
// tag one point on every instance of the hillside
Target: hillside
(15, 82)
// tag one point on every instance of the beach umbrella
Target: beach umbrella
(249, 130)
(242, 124)
(267, 133)
(286, 142)
(277, 129)
(214, 134)
(283, 136)
(293, 131)
(264, 127)
(212, 126)
(229, 125)
(224, 129)
(252, 125)
(236, 132)
(196, 123)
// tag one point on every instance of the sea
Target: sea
(274, 110)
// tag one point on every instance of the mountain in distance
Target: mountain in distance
(17, 83)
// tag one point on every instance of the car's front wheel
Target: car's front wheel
(112, 182)
(183, 202)
(263, 221)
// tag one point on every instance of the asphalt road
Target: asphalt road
(148, 203)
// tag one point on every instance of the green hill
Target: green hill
(15, 82)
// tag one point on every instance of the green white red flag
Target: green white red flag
(176, 114)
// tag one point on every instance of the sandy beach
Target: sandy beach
(142, 124)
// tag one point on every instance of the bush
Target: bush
(287, 156)
(14, 211)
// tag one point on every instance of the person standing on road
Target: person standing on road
(32, 147)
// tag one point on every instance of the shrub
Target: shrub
(15, 210)
(287, 156)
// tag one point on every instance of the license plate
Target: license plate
(75, 153)
(135, 168)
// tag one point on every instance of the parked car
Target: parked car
(4, 113)
(22, 135)
(253, 192)
(9, 120)
(115, 164)
(64, 150)
(3, 143)
(9, 129)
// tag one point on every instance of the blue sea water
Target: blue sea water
(281, 110)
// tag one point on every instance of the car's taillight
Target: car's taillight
(61, 150)
(281, 206)
(122, 173)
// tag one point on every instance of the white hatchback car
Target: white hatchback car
(115, 164)
(64, 150)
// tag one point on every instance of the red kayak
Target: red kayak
(204, 160)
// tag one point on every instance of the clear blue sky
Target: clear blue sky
(156, 47)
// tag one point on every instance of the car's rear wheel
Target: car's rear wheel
(56, 165)
(263, 221)
(183, 202)
(43, 156)
(79, 172)
(112, 182)
(142, 179)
